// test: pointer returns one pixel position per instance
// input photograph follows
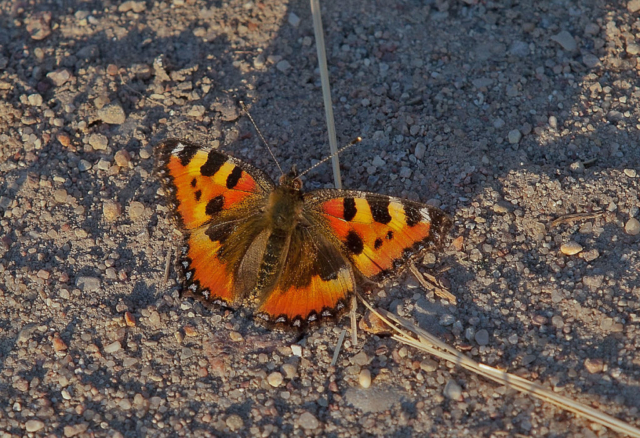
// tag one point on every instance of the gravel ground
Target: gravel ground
(508, 114)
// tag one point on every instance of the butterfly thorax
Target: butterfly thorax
(285, 205)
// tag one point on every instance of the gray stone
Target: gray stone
(88, 284)
(515, 136)
(375, 399)
(59, 77)
(294, 20)
(283, 66)
(566, 41)
(482, 337)
(520, 49)
(112, 114)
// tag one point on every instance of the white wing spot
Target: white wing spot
(424, 212)
(179, 148)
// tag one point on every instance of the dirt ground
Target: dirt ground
(508, 114)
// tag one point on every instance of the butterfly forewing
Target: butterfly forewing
(214, 197)
(378, 233)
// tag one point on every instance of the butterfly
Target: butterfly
(296, 256)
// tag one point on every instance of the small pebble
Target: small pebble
(405, 172)
(136, 210)
(482, 337)
(275, 379)
(190, 331)
(570, 248)
(88, 284)
(129, 319)
(234, 422)
(84, 165)
(515, 136)
(60, 196)
(428, 365)
(633, 49)
(283, 66)
(420, 150)
(98, 142)
(566, 41)
(631, 173)
(235, 336)
(594, 366)
(633, 6)
(112, 114)
(361, 359)
(577, 167)
(103, 164)
(58, 344)
(590, 255)
(289, 371)
(365, 378)
(294, 20)
(64, 139)
(539, 320)
(112, 347)
(453, 391)
(39, 25)
(296, 350)
(145, 153)
(197, 111)
(34, 425)
(59, 77)
(590, 60)
(632, 227)
(35, 99)
(308, 422)
(557, 321)
(111, 210)
(134, 6)
(122, 158)
(447, 320)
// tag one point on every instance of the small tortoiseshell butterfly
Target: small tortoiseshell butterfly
(297, 254)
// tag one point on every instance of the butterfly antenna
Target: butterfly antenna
(353, 142)
(244, 108)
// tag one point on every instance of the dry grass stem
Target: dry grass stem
(431, 283)
(410, 334)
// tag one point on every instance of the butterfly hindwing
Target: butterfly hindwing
(378, 233)
(215, 198)
(315, 283)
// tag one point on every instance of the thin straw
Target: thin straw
(326, 91)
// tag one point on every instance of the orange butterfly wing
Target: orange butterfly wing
(315, 283)
(379, 234)
(215, 198)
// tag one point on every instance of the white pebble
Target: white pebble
(365, 378)
(570, 248)
(632, 227)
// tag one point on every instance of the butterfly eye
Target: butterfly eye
(297, 184)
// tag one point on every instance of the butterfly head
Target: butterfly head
(291, 180)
